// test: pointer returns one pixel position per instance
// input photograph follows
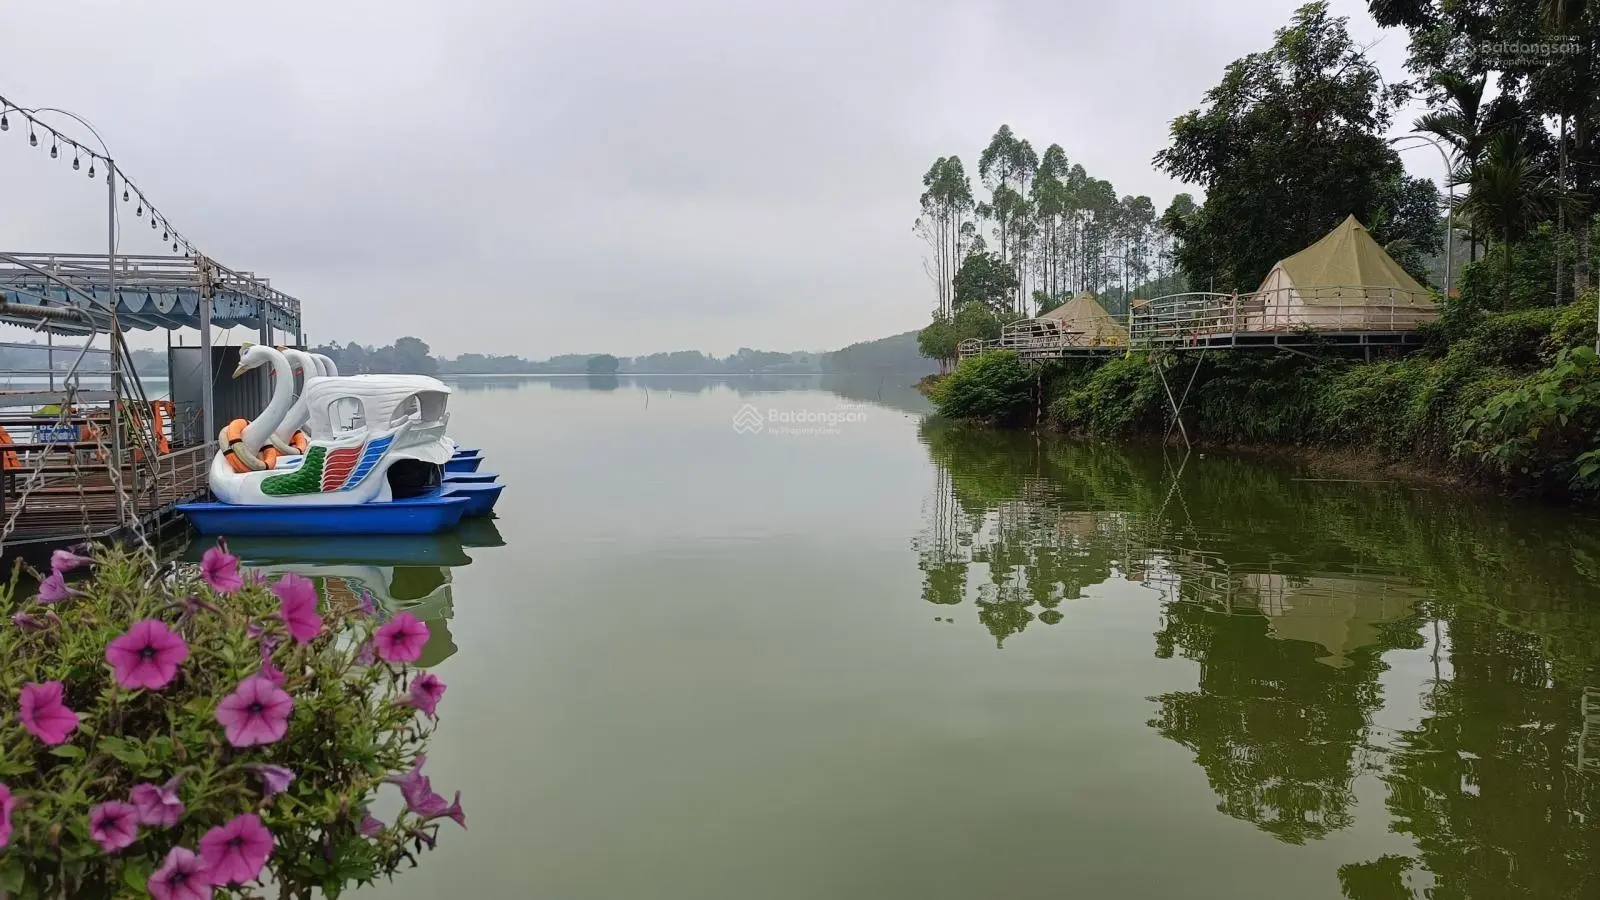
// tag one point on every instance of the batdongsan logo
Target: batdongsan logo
(750, 420)
(1524, 53)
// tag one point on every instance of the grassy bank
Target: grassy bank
(1510, 399)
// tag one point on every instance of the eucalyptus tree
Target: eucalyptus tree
(946, 224)
(1006, 166)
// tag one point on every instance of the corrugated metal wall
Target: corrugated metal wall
(235, 398)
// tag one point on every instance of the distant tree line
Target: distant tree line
(410, 355)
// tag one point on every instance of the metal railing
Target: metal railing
(1043, 339)
(1338, 309)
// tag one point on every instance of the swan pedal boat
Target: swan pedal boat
(373, 466)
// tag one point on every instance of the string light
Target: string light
(130, 191)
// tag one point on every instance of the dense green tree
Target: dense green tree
(602, 364)
(1544, 59)
(1289, 144)
(986, 278)
(1507, 196)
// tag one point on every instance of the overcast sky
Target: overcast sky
(625, 176)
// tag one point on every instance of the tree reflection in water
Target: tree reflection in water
(1288, 594)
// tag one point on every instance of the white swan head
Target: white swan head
(253, 356)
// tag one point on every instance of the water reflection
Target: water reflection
(1307, 610)
(895, 390)
(399, 573)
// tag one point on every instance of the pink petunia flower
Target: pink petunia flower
(234, 853)
(453, 812)
(426, 692)
(297, 606)
(66, 561)
(158, 807)
(365, 606)
(220, 570)
(28, 622)
(257, 712)
(274, 779)
(147, 656)
(271, 673)
(370, 826)
(7, 803)
(44, 714)
(401, 639)
(183, 876)
(54, 588)
(412, 780)
(115, 825)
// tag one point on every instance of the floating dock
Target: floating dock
(86, 454)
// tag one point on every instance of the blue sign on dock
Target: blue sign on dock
(55, 434)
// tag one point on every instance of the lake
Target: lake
(822, 647)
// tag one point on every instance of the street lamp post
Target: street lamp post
(1450, 188)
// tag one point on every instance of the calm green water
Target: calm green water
(898, 661)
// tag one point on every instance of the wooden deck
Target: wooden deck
(1321, 319)
(61, 504)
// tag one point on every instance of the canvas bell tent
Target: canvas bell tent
(1079, 322)
(1343, 282)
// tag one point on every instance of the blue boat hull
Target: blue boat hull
(464, 464)
(480, 497)
(469, 478)
(468, 451)
(430, 514)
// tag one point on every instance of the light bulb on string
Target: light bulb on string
(55, 151)
(4, 124)
(91, 167)
(139, 210)
(124, 191)
(75, 165)
(152, 223)
(33, 139)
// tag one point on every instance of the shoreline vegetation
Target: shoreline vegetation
(1504, 392)
(1510, 401)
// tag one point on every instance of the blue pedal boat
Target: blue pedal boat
(480, 497)
(427, 514)
(469, 478)
(463, 464)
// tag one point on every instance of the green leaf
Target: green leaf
(67, 751)
(14, 768)
(11, 874)
(137, 873)
(125, 752)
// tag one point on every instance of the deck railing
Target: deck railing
(1339, 309)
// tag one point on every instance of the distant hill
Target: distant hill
(897, 353)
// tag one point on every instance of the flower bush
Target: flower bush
(180, 732)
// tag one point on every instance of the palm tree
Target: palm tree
(1459, 124)
(1506, 195)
